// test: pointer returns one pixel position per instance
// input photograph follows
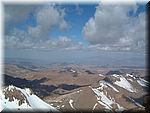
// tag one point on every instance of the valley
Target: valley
(81, 88)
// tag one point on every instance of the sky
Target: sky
(75, 27)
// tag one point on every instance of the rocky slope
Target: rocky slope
(17, 99)
(114, 93)
(83, 89)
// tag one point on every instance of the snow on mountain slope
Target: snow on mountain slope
(124, 83)
(100, 75)
(142, 83)
(139, 80)
(14, 98)
(106, 95)
(71, 103)
(106, 100)
(14, 102)
(105, 84)
(111, 96)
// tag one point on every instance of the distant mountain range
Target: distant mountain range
(36, 65)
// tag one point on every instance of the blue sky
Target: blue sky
(81, 24)
(76, 21)
(76, 27)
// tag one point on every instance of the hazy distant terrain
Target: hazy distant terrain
(98, 58)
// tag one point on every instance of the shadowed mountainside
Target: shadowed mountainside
(36, 85)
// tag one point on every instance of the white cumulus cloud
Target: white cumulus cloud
(112, 27)
(48, 17)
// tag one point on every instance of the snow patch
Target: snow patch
(94, 106)
(34, 101)
(125, 84)
(130, 80)
(120, 108)
(115, 75)
(142, 82)
(104, 100)
(104, 84)
(71, 104)
(79, 91)
(72, 70)
(100, 75)
(106, 106)
(6, 104)
(11, 87)
(129, 75)
(63, 106)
